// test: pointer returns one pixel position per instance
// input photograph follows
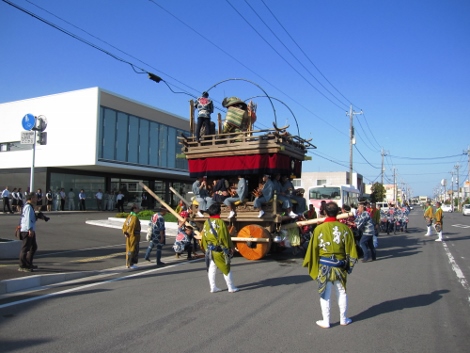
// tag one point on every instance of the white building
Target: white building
(95, 140)
(390, 192)
(310, 179)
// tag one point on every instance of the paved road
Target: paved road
(68, 245)
(410, 300)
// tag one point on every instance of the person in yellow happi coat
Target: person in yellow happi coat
(438, 216)
(428, 216)
(218, 248)
(330, 257)
(131, 230)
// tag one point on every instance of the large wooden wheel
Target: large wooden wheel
(253, 250)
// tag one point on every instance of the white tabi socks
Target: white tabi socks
(230, 286)
(343, 307)
(228, 280)
(211, 276)
(429, 231)
(325, 311)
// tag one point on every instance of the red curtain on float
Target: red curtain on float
(245, 165)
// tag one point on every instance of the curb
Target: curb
(36, 281)
(20, 284)
(11, 286)
(116, 223)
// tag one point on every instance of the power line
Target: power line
(246, 67)
(279, 54)
(367, 144)
(303, 52)
(373, 136)
(365, 158)
(426, 158)
(367, 135)
(63, 30)
(134, 67)
(290, 52)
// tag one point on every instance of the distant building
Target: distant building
(95, 140)
(310, 179)
(389, 192)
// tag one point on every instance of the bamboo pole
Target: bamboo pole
(191, 117)
(314, 221)
(172, 211)
(186, 202)
(257, 240)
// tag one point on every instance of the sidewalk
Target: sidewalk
(66, 265)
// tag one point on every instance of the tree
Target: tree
(378, 192)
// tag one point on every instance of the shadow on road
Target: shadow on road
(401, 304)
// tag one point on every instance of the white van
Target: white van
(383, 206)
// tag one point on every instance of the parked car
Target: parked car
(466, 209)
(446, 208)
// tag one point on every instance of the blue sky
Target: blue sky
(405, 63)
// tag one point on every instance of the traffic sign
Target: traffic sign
(27, 137)
(28, 122)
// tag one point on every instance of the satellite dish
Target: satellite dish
(41, 123)
(443, 182)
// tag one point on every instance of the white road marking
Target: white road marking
(460, 225)
(460, 276)
(137, 274)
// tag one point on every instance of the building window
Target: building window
(171, 147)
(181, 163)
(76, 182)
(108, 134)
(144, 142)
(162, 148)
(121, 137)
(130, 139)
(321, 182)
(133, 140)
(154, 159)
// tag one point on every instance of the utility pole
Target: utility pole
(458, 187)
(352, 141)
(467, 182)
(452, 191)
(395, 198)
(383, 169)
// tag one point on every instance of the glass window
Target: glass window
(108, 134)
(89, 184)
(121, 138)
(153, 144)
(171, 147)
(325, 193)
(133, 142)
(181, 163)
(144, 142)
(132, 139)
(162, 148)
(160, 189)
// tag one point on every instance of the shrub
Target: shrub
(146, 215)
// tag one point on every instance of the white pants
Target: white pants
(211, 275)
(342, 302)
